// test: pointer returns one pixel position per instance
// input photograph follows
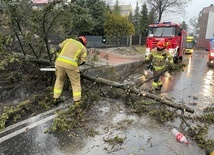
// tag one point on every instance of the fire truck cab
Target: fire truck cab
(171, 33)
(210, 54)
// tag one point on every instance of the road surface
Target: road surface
(143, 136)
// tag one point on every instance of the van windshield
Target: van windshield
(161, 31)
(189, 45)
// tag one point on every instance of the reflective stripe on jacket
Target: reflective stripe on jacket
(158, 68)
(67, 60)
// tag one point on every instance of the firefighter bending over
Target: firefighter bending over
(73, 54)
(157, 57)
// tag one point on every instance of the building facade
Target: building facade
(125, 10)
(205, 31)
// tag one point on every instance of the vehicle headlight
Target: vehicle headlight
(212, 54)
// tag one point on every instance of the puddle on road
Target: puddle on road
(143, 136)
(147, 137)
(193, 86)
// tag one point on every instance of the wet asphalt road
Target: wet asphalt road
(194, 86)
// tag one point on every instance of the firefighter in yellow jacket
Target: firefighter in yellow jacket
(73, 54)
(210, 152)
(158, 57)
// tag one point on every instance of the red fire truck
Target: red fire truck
(171, 33)
(210, 55)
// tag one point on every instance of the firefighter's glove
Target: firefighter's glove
(149, 66)
(82, 66)
(80, 72)
(57, 51)
(82, 63)
(164, 55)
(147, 59)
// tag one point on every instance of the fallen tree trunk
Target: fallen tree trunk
(138, 92)
(33, 59)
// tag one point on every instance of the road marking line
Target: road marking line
(15, 133)
(30, 119)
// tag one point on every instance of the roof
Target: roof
(208, 9)
(163, 24)
(125, 9)
(40, 1)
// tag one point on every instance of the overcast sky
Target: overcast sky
(192, 10)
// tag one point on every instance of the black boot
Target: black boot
(57, 101)
(77, 103)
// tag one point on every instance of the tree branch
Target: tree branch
(138, 92)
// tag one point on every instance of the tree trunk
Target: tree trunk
(139, 92)
(33, 59)
(118, 85)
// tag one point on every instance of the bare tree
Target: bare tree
(194, 24)
(168, 6)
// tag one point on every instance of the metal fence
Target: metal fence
(100, 41)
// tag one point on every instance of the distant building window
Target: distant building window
(125, 9)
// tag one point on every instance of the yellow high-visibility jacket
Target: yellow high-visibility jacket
(159, 57)
(73, 54)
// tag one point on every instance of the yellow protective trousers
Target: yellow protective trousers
(74, 77)
(157, 83)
